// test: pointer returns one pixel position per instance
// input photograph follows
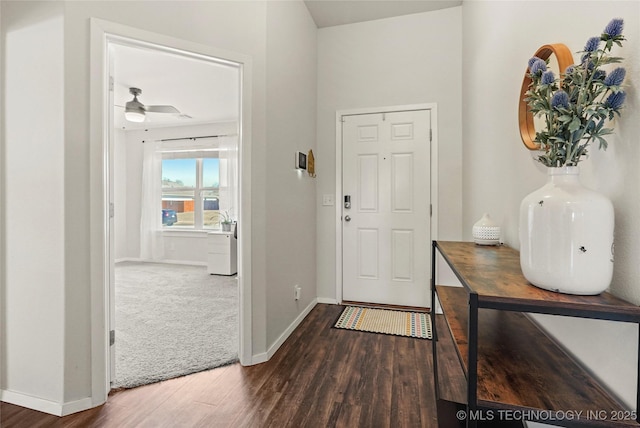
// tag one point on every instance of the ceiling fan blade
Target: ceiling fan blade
(161, 109)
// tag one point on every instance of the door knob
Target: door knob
(347, 218)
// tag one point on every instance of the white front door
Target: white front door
(386, 231)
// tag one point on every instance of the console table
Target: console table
(505, 369)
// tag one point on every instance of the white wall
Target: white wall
(33, 168)
(291, 195)
(405, 60)
(499, 38)
(133, 155)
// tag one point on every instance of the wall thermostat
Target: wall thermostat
(301, 160)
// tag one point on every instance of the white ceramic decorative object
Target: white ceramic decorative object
(566, 236)
(486, 232)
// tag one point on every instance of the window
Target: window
(191, 190)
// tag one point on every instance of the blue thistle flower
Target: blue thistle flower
(538, 66)
(592, 44)
(548, 77)
(599, 74)
(560, 99)
(615, 100)
(586, 62)
(614, 27)
(532, 60)
(569, 69)
(616, 77)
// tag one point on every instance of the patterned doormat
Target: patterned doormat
(385, 321)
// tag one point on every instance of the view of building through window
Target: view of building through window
(190, 192)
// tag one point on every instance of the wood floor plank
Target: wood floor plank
(320, 377)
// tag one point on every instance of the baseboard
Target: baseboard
(77, 406)
(328, 301)
(266, 356)
(438, 307)
(127, 259)
(263, 357)
(46, 406)
(181, 262)
(169, 262)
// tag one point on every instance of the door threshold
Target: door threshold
(386, 306)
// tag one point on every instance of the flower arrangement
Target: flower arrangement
(576, 106)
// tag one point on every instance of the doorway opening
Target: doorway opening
(174, 130)
(173, 147)
(386, 179)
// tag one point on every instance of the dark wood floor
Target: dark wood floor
(320, 377)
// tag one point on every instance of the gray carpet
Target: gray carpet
(172, 320)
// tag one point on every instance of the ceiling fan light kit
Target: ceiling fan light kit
(134, 116)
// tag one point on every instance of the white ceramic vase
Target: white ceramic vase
(566, 236)
(486, 231)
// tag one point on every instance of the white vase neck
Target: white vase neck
(564, 170)
(566, 175)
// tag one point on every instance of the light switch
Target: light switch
(327, 200)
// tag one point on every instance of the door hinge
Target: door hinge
(384, 116)
(430, 135)
(112, 210)
(112, 337)
(110, 83)
(430, 210)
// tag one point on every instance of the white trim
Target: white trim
(188, 233)
(434, 173)
(175, 262)
(168, 262)
(75, 406)
(327, 301)
(42, 405)
(35, 403)
(193, 233)
(261, 358)
(339, 203)
(103, 32)
(433, 108)
(128, 259)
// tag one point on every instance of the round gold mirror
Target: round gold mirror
(563, 59)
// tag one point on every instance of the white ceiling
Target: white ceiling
(327, 13)
(204, 90)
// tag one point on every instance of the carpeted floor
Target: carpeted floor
(172, 320)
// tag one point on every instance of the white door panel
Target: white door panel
(368, 252)
(386, 243)
(402, 182)
(368, 183)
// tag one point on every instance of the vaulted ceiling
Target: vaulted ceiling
(327, 13)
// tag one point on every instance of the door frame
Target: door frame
(101, 33)
(433, 108)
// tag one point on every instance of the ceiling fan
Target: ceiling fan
(135, 111)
